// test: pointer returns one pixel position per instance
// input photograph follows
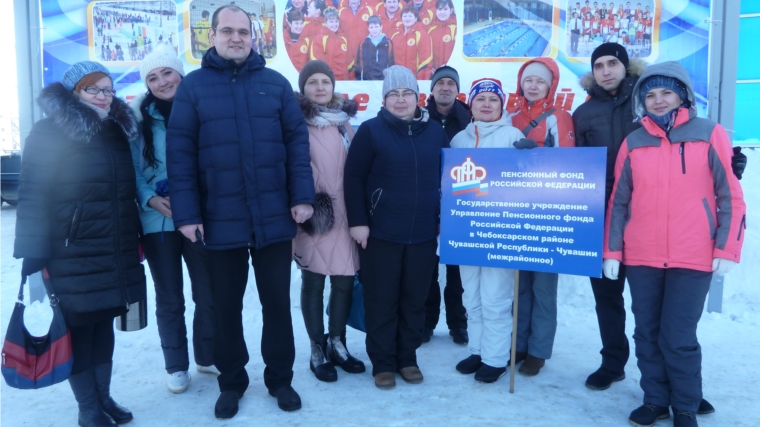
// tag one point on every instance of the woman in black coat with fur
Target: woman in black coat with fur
(77, 218)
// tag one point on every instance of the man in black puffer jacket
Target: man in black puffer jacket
(604, 120)
(240, 176)
(453, 115)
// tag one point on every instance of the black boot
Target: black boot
(85, 390)
(339, 355)
(117, 412)
(318, 363)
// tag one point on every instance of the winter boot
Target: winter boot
(647, 414)
(85, 390)
(519, 357)
(684, 419)
(603, 378)
(705, 408)
(323, 370)
(117, 412)
(532, 366)
(338, 354)
(470, 365)
(459, 335)
(411, 374)
(489, 374)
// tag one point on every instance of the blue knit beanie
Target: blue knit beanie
(664, 82)
(74, 74)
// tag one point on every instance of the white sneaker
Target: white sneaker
(208, 369)
(178, 381)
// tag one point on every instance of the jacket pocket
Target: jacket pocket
(210, 189)
(710, 219)
(75, 220)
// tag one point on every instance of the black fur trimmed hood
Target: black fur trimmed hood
(311, 109)
(80, 122)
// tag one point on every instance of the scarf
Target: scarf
(332, 117)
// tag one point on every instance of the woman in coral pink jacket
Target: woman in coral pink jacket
(323, 246)
(675, 217)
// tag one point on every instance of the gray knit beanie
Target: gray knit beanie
(163, 56)
(74, 74)
(399, 77)
(313, 67)
(443, 73)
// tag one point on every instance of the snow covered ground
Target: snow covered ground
(556, 397)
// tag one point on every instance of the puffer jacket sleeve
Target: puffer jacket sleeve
(182, 158)
(355, 173)
(732, 210)
(617, 211)
(144, 191)
(38, 165)
(295, 136)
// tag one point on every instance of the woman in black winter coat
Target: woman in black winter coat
(392, 191)
(77, 218)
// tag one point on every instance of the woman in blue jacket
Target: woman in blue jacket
(392, 191)
(164, 246)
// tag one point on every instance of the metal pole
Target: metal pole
(514, 334)
(28, 63)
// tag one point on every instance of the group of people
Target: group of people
(623, 25)
(361, 38)
(227, 164)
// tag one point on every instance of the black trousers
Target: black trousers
(610, 312)
(574, 41)
(456, 315)
(312, 304)
(396, 280)
(228, 270)
(165, 261)
(92, 345)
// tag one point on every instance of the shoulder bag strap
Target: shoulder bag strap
(539, 119)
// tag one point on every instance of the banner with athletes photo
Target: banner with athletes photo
(359, 38)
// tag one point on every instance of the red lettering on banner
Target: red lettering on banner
(362, 99)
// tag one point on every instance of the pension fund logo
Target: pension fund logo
(469, 178)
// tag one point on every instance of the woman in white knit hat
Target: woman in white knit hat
(164, 246)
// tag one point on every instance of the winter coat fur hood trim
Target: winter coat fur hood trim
(80, 122)
(338, 102)
(135, 106)
(635, 68)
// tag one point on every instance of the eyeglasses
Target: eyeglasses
(94, 90)
(394, 95)
(229, 32)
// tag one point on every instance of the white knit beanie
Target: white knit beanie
(162, 56)
(399, 77)
(539, 70)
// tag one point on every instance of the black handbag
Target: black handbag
(34, 362)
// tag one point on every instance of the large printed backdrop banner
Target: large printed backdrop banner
(359, 38)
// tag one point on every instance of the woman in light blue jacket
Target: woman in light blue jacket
(164, 246)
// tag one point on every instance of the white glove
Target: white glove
(722, 266)
(611, 267)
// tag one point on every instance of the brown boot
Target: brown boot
(411, 374)
(531, 366)
(519, 357)
(385, 380)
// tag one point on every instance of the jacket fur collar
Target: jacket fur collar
(635, 69)
(77, 121)
(311, 109)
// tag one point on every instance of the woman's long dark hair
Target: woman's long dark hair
(164, 108)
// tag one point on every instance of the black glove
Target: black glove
(738, 162)
(32, 265)
(525, 143)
